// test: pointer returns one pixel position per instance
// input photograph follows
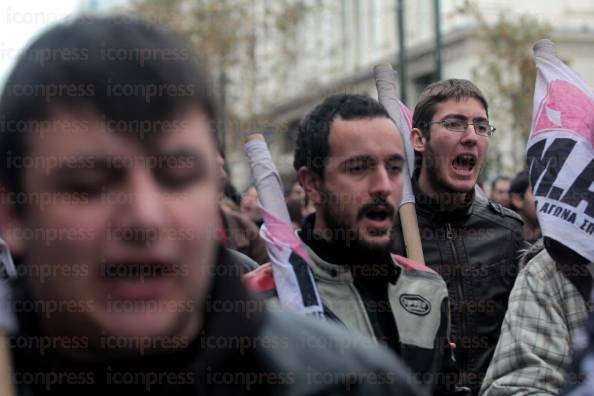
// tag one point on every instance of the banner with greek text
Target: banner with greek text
(560, 152)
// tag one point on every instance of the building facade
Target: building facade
(339, 42)
(332, 45)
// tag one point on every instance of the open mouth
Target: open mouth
(142, 279)
(131, 271)
(464, 162)
(379, 214)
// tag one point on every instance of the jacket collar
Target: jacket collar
(335, 263)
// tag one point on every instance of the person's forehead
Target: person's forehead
(76, 132)
(466, 105)
(377, 135)
(503, 184)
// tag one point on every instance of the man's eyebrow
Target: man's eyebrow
(463, 117)
(395, 157)
(102, 161)
(356, 158)
(81, 165)
(198, 158)
(180, 152)
(80, 162)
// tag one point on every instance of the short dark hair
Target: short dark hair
(498, 179)
(441, 91)
(520, 184)
(79, 64)
(312, 146)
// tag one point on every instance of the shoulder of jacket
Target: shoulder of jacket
(322, 346)
(246, 262)
(538, 262)
(542, 275)
(531, 251)
(498, 213)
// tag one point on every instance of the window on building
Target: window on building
(421, 82)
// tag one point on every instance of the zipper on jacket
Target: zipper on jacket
(451, 237)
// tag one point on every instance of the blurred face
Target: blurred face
(452, 160)
(297, 193)
(134, 246)
(500, 193)
(362, 186)
(249, 205)
(526, 206)
(530, 207)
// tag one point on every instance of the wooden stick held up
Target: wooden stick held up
(385, 80)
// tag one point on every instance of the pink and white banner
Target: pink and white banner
(295, 285)
(560, 152)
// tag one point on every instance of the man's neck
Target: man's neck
(337, 246)
(531, 231)
(446, 199)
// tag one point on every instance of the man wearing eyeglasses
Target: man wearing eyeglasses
(471, 242)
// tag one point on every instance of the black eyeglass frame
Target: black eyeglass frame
(490, 130)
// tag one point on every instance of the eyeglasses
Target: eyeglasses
(482, 128)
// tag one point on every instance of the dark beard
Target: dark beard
(436, 182)
(345, 236)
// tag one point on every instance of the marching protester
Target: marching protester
(249, 206)
(500, 191)
(552, 295)
(122, 284)
(349, 159)
(522, 201)
(547, 305)
(471, 242)
(236, 231)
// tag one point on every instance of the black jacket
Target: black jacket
(475, 248)
(243, 349)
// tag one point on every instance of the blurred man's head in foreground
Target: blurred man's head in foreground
(110, 180)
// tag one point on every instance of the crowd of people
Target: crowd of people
(174, 294)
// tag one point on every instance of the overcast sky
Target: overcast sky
(22, 20)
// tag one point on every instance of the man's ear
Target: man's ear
(418, 140)
(11, 225)
(311, 183)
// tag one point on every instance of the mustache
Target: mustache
(373, 206)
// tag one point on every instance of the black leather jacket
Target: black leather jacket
(475, 248)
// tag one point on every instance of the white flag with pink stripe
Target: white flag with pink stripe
(293, 277)
(560, 152)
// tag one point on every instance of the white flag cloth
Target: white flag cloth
(560, 152)
(7, 319)
(385, 80)
(292, 274)
(295, 285)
